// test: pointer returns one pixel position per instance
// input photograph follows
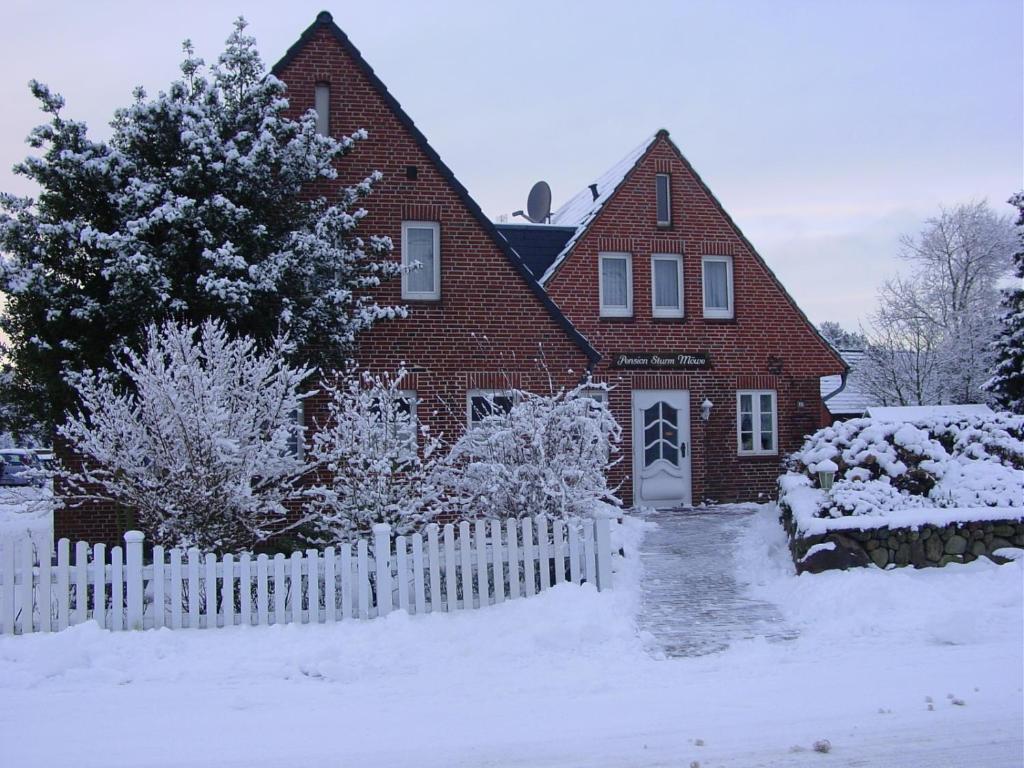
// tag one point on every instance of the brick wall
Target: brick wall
(488, 330)
(766, 325)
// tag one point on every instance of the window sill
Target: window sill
(757, 455)
(719, 320)
(422, 301)
(616, 318)
(669, 320)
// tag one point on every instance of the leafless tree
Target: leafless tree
(929, 337)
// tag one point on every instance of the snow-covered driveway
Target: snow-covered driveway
(916, 669)
(692, 602)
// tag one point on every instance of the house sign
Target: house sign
(668, 361)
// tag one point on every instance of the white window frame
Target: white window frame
(668, 199)
(755, 401)
(718, 312)
(657, 311)
(298, 419)
(607, 311)
(485, 393)
(410, 395)
(600, 395)
(322, 108)
(435, 293)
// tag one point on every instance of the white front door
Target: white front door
(661, 447)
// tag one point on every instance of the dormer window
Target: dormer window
(615, 284)
(662, 194)
(323, 108)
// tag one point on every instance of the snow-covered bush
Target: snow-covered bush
(545, 454)
(936, 462)
(377, 465)
(202, 446)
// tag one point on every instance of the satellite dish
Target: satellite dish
(538, 204)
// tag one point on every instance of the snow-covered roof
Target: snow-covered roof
(914, 412)
(583, 207)
(852, 401)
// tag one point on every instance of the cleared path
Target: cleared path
(692, 603)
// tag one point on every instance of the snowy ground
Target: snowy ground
(26, 510)
(564, 679)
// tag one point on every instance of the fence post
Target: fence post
(602, 527)
(7, 596)
(382, 559)
(133, 577)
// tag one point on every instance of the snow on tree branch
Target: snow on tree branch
(201, 446)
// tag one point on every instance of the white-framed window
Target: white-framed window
(295, 437)
(663, 198)
(421, 260)
(322, 103)
(667, 285)
(756, 422)
(481, 403)
(598, 395)
(615, 284)
(716, 272)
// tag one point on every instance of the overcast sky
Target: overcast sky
(825, 128)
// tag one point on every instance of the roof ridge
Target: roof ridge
(585, 211)
(325, 20)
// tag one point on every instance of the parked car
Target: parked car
(45, 456)
(21, 467)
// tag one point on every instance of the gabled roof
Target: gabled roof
(612, 180)
(536, 244)
(324, 21)
(583, 207)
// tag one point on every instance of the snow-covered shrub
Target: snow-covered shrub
(936, 461)
(546, 454)
(377, 465)
(201, 447)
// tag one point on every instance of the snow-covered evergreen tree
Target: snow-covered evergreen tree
(549, 454)
(378, 464)
(1007, 382)
(198, 206)
(201, 446)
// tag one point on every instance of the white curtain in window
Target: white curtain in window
(323, 108)
(420, 244)
(716, 285)
(666, 283)
(613, 273)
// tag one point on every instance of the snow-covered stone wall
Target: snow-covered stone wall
(921, 546)
(939, 490)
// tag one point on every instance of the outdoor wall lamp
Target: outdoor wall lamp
(826, 473)
(705, 410)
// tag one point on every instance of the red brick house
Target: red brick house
(716, 371)
(493, 302)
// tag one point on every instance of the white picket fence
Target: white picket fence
(452, 568)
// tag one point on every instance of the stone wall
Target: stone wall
(924, 547)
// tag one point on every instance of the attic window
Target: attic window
(615, 284)
(421, 260)
(717, 279)
(323, 108)
(662, 195)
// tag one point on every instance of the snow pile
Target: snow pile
(885, 469)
